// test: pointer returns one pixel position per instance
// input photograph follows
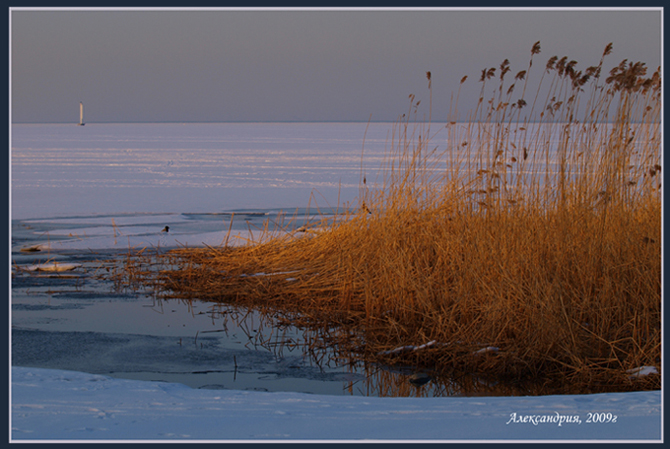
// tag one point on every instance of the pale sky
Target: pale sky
(292, 65)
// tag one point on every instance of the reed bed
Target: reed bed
(522, 242)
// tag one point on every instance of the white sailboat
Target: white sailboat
(81, 114)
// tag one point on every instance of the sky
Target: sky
(263, 65)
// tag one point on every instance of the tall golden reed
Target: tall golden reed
(523, 242)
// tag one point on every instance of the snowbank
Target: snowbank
(65, 405)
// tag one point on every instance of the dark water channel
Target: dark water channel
(81, 320)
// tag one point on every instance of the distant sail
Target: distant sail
(81, 114)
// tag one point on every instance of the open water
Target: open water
(83, 197)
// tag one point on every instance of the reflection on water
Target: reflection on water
(81, 320)
(78, 320)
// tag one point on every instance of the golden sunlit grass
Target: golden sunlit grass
(539, 240)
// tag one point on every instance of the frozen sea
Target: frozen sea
(84, 195)
(58, 171)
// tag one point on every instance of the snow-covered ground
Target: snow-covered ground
(63, 405)
(117, 186)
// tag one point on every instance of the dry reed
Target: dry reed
(532, 231)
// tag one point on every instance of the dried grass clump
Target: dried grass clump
(524, 244)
